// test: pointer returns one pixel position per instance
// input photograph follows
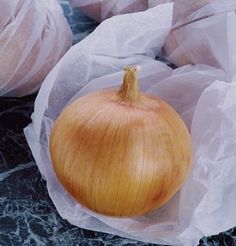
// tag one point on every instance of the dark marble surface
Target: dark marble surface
(27, 215)
(80, 24)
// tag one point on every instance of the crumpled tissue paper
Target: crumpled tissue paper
(34, 35)
(203, 32)
(205, 204)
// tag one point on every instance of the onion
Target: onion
(153, 3)
(185, 8)
(34, 35)
(121, 153)
(103, 9)
(174, 48)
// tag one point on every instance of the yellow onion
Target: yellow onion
(121, 153)
(34, 35)
(184, 8)
(172, 45)
(182, 17)
(100, 10)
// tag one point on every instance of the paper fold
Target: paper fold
(206, 106)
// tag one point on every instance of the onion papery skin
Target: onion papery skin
(120, 159)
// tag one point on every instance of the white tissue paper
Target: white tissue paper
(34, 35)
(205, 204)
(203, 33)
(154, 3)
(102, 9)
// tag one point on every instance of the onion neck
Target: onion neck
(129, 92)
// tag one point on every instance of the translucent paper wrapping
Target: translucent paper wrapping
(203, 33)
(102, 9)
(153, 3)
(205, 204)
(34, 35)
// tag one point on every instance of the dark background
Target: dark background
(27, 215)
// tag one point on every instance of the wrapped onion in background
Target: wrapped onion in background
(205, 204)
(102, 9)
(203, 32)
(34, 35)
